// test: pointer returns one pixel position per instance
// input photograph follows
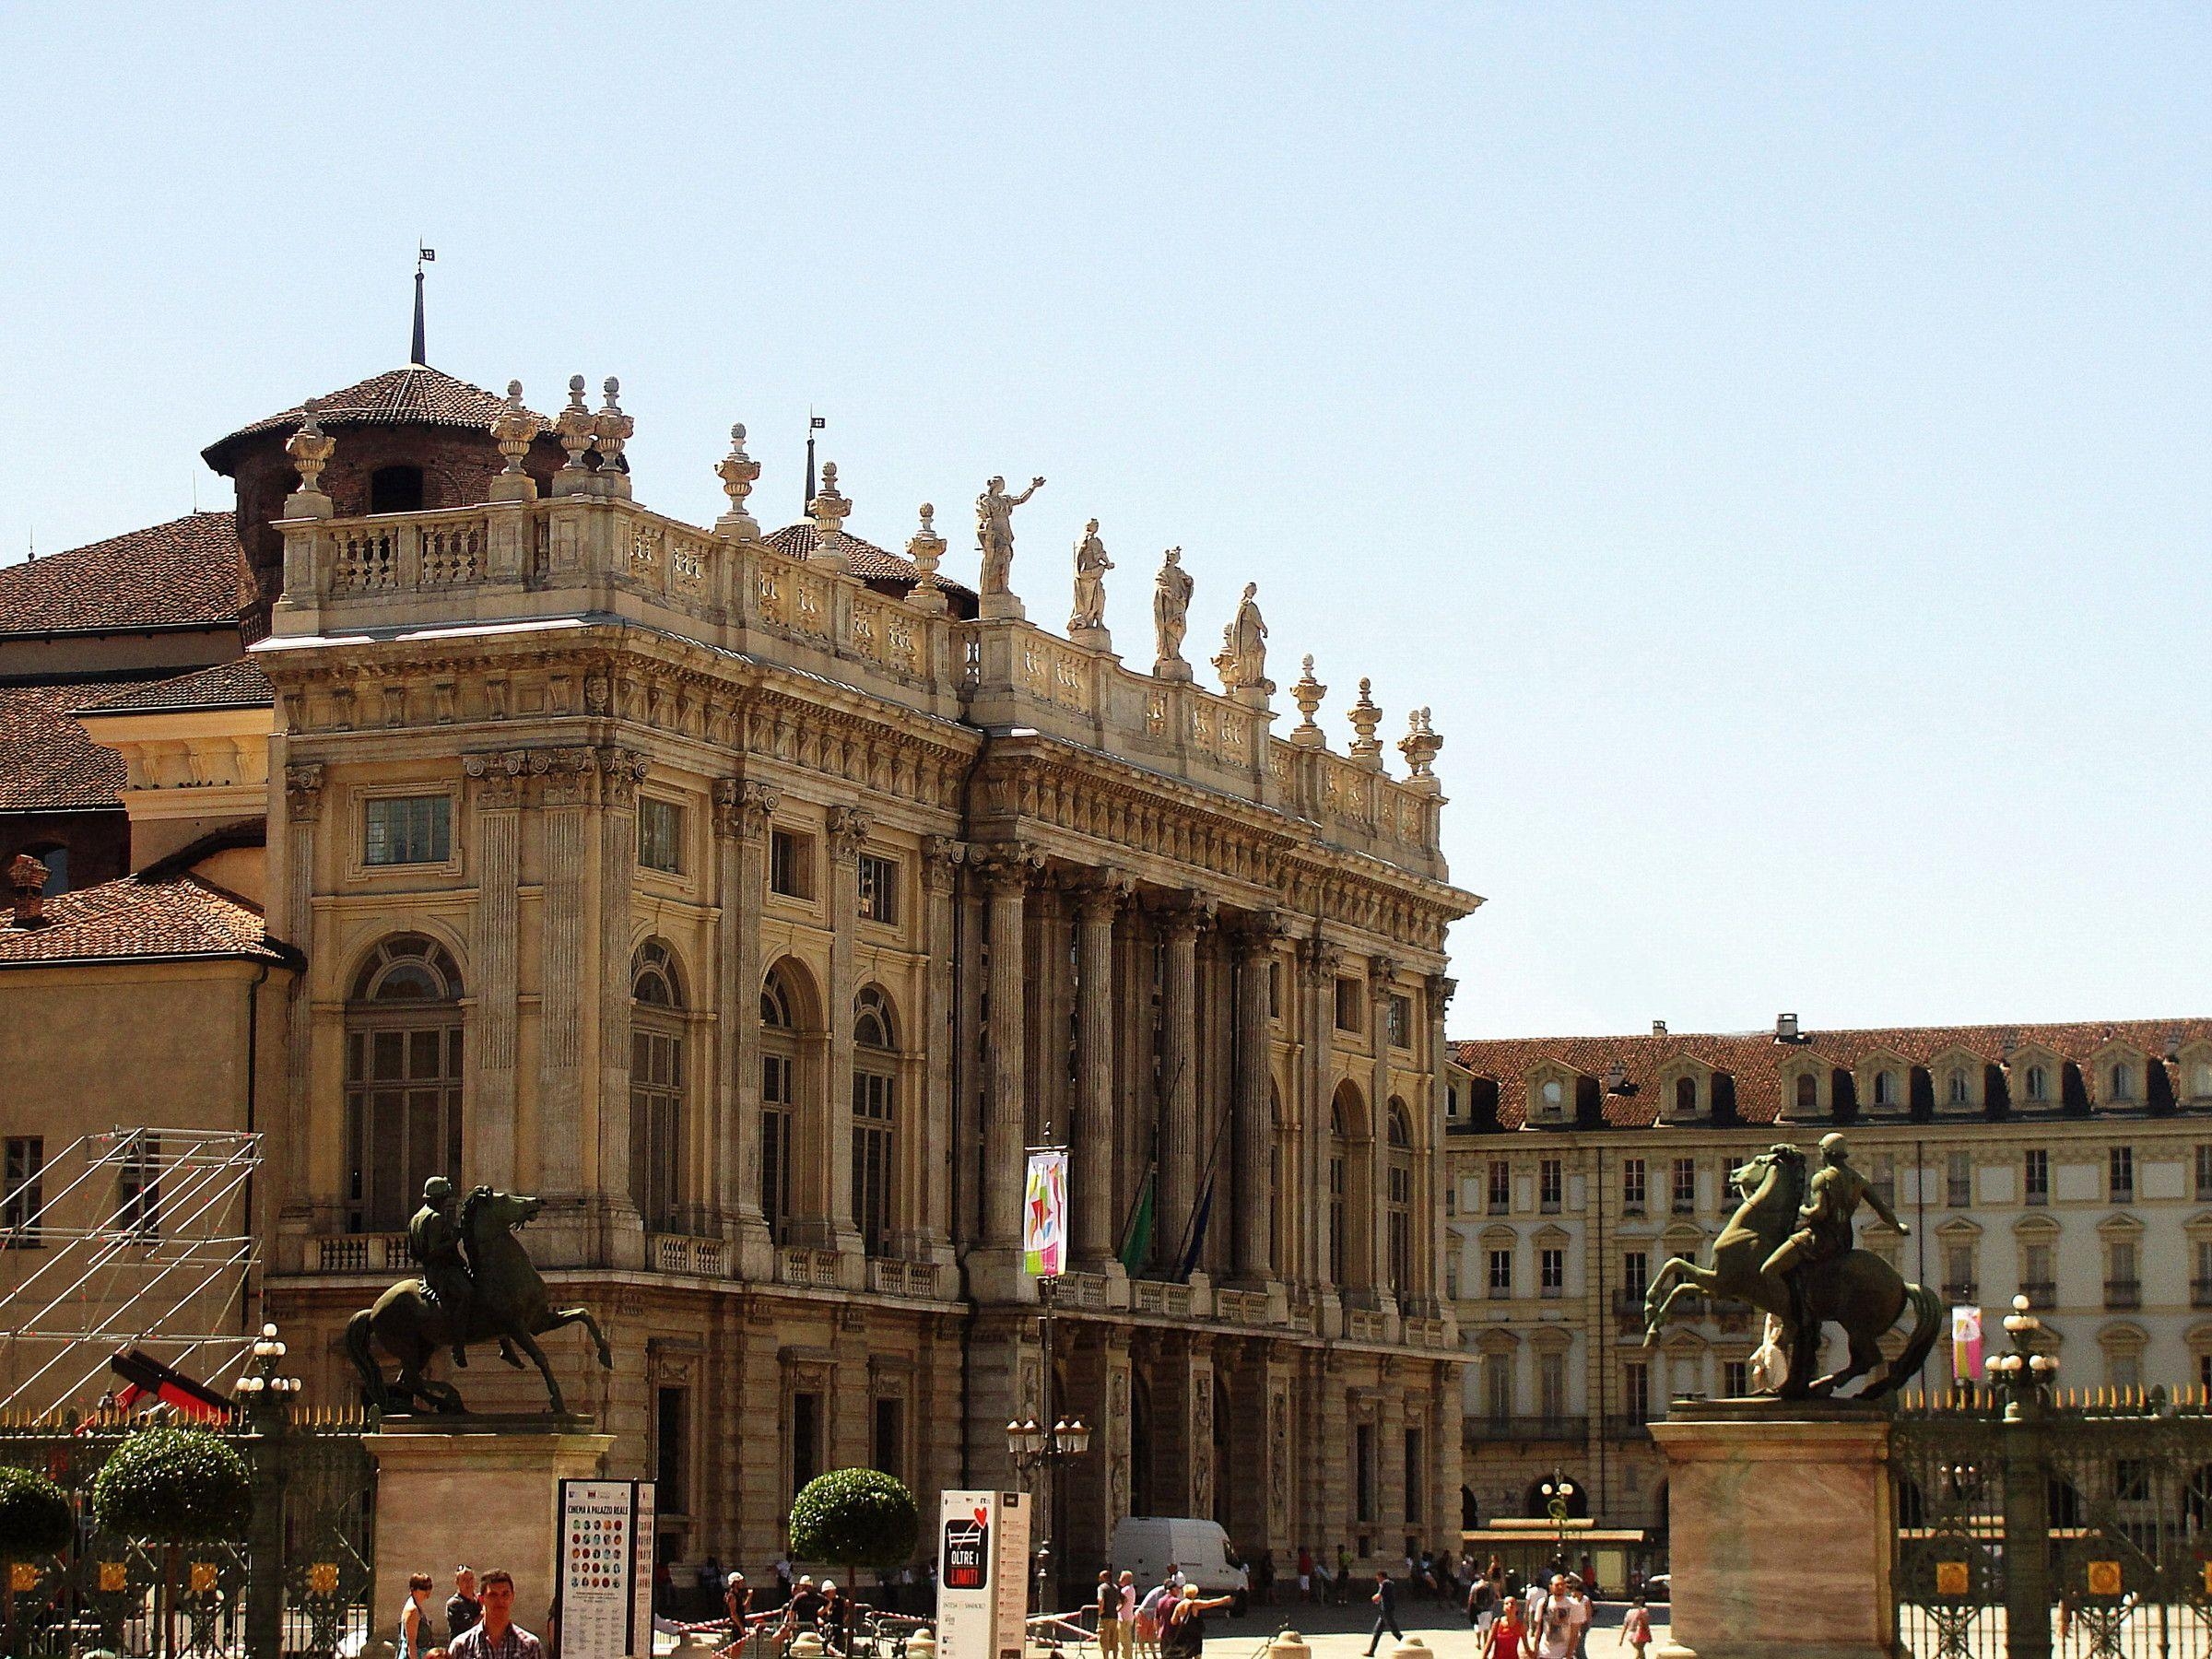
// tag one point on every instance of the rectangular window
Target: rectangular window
(1497, 1389)
(1452, 1276)
(1736, 1377)
(1350, 995)
(669, 1422)
(1275, 989)
(1959, 1284)
(1501, 1187)
(2125, 1372)
(1959, 1179)
(408, 829)
(805, 1439)
(1551, 1386)
(657, 1127)
(2122, 1289)
(2200, 1290)
(1415, 1468)
(2035, 1175)
(879, 890)
(1501, 1273)
(1636, 1274)
(1882, 1177)
(1631, 1185)
(1451, 1198)
(890, 1435)
(776, 1099)
(23, 1199)
(661, 835)
(1685, 1186)
(791, 864)
(1363, 1466)
(403, 1118)
(138, 1187)
(2122, 1172)
(1636, 1391)
(2204, 1172)
(1401, 1022)
(2039, 1283)
(1552, 1267)
(873, 1096)
(1551, 1184)
(1337, 1239)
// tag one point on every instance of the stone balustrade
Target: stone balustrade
(680, 1252)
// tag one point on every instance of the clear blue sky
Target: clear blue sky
(1773, 440)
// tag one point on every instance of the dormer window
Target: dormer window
(395, 489)
(2200, 1083)
(1553, 1094)
(1685, 1096)
(1887, 1091)
(2039, 1083)
(2123, 1081)
(1809, 1093)
(1957, 1090)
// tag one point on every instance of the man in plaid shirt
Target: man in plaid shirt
(497, 1636)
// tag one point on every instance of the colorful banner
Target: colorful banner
(1966, 1345)
(1044, 1214)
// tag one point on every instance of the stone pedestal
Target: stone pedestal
(475, 1490)
(1781, 1526)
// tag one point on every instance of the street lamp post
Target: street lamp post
(1559, 1495)
(2023, 1378)
(266, 1397)
(1030, 1445)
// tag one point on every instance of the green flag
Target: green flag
(1137, 1237)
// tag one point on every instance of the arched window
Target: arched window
(1685, 1096)
(395, 489)
(779, 1097)
(1958, 1090)
(2123, 1081)
(656, 1088)
(1809, 1093)
(402, 1079)
(875, 1118)
(2039, 1083)
(1885, 1088)
(1398, 1199)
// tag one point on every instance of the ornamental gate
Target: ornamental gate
(309, 1547)
(2054, 1527)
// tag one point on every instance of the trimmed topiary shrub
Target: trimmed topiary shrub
(35, 1516)
(855, 1517)
(174, 1486)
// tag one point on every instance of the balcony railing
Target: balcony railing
(887, 1277)
(2041, 1293)
(678, 1253)
(801, 1265)
(1155, 1296)
(2122, 1293)
(2200, 1293)
(1961, 1292)
(1627, 1306)
(1523, 1430)
(362, 1253)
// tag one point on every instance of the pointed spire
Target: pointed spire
(423, 256)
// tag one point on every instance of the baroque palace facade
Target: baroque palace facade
(757, 900)
(2070, 1164)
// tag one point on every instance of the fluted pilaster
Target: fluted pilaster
(1092, 1188)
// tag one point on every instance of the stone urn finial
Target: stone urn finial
(1367, 748)
(1420, 746)
(738, 472)
(574, 427)
(26, 883)
(925, 548)
(1307, 694)
(513, 428)
(610, 431)
(829, 509)
(310, 448)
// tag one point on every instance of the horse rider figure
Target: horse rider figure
(434, 1240)
(1824, 1231)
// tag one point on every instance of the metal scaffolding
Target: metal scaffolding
(132, 1238)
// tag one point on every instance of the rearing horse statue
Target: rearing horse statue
(1857, 1289)
(510, 1306)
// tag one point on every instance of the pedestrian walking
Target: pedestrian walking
(1305, 1573)
(496, 1635)
(414, 1637)
(1109, 1603)
(1585, 1612)
(1635, 1628)
(1559, 1622)
(1344, 1574)
(737, 1607)
(1386, 1610)
(1151, 1614)
(462, 1607)
(1482, 1605)
(1506, 1639)
(1185, 1635)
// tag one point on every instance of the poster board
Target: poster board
(604, 1583)
(982, 1574)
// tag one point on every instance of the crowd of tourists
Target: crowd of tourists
(478, 1621)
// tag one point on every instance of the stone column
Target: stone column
(1132, 1107)
(941, 858)
(620, 771)
(1316, 987)
(1381, 974)
(560, 791)
(849, 828)
(1178, 1151)
(1253, 1130)
(1092, 1184)
(1007, 870)
(295, 923)
(490, 1113)
(971, 1061)
(742, 812)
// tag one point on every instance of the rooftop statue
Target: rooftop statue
(1789, 1252)
(1242, 659)
(478, 1285)
(1091, 565)
(995, 532)
(1170, 612)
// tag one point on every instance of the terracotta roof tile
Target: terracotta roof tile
(237, 684)
(1754, 1060)
(48, 761)
(135, 917)
(864, 560)
(414, 395)
(182, 573)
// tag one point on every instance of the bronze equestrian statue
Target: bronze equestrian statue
(478, 1285)
(1789, 1252)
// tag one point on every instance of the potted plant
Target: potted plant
(857, 1517)
(172, 1486)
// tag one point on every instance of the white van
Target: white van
(1145, 1545)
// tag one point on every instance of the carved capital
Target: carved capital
(499, 777)
(1319, 962)
(303, 791)
(620, 772)
(849, 828)
(1101, 893)
(1258, 933)
(562, 776)
(942, 856)
(744, 809)
(1184, 916)
(1007, 863)
(1441, 989)
(1381, 976)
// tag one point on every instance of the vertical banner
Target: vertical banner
(982, 1574)
(605, 1587)
(1966, 1345)
(1044, 1214)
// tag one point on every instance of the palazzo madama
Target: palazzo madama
(760, 898)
